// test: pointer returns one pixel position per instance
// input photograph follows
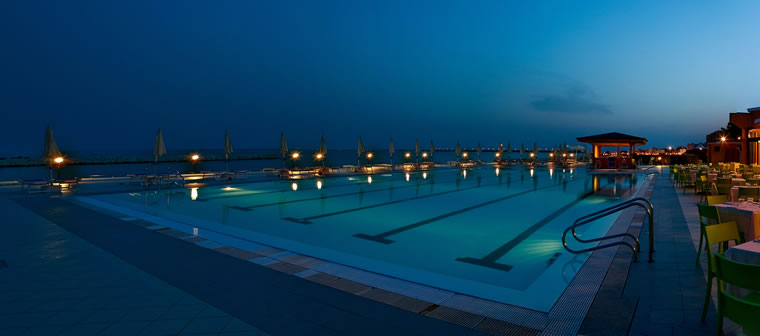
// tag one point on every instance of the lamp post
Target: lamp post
(294, 157)
(194, 160)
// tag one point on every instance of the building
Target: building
(739, 141)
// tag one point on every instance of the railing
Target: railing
(634, 202)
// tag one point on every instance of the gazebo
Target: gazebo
(616, 160)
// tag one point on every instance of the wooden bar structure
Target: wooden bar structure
(617, 140)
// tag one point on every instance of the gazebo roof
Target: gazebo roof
(613, 137)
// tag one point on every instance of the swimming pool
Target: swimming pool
(486, 232)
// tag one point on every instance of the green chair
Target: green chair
(719, 234)
(744, 311)
(717, 199)
(702, 187)
(708, 215)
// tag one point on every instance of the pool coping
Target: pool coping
(565, 316)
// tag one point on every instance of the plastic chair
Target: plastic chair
(708, 215)
(701, 187)
(717, 199)
(743, 311)
(719, 234)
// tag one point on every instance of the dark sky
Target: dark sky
(107, 74)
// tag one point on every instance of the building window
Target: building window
(717, 148)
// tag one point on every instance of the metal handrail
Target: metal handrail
(637, 201)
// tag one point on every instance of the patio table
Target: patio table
(748, 253)
(745, 214)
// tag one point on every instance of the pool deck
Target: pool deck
(69, 276)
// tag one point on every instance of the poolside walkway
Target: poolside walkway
(58, 284)
(273, 301)
(665, 297)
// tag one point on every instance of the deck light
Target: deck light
(320, 156)
(407, 155)
(424, 155)
(572, 154)
(551, 154)
(369, 179)
(294, 186)
(532, 155)
(369, 155)
(563, 154)
(195, 157)
(295, 155)
(497, 154)
(58, 160)
(464, 154)
(722, 139)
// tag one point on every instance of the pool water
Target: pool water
(486, 232)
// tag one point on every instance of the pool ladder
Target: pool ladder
(634, 202)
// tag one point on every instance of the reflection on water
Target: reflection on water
(613, 185)
(294, 186)
(194, 193)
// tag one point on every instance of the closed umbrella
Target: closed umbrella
(417, 149)
(391, 150)
(159, 149)
(283, 148)
(359, 151)
(227, 148)
(51, 149)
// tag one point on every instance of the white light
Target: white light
(319, 184)
(551, 172)
(407, 177)
(464, 173)
(193, 193)
(369, 179)
(58, 160)
(424, 175)
(195, 157)
(294, 186)
(497, 171)
(531, 172)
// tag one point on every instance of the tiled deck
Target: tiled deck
(58, 284)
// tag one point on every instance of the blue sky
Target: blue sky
(106, 74)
